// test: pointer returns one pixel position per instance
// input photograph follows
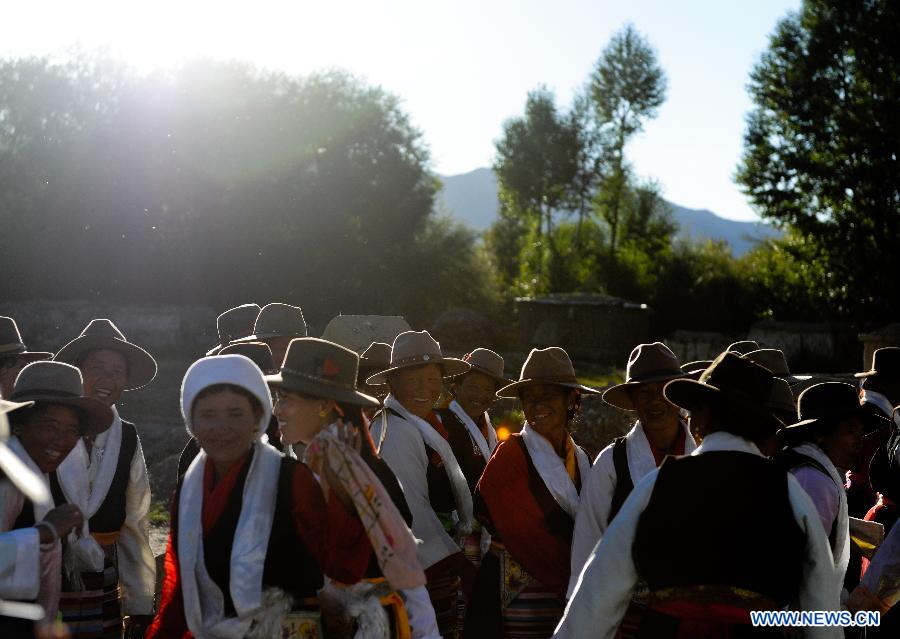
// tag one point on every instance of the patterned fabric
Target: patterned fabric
(95, 611)
(302, 624)
(443, 590)
(533, 614)
(391, 539)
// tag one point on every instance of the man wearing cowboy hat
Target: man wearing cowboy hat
(276, 325)
(109, 470)
(658, 431)
(14, 355)
(715, 534)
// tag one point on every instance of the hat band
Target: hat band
(425, 358)
(319, 380)
(37, 392)
(661, 372)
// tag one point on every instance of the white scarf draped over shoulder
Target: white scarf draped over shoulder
(552, 468)
(203, 600)
(433, 439)
(485, 446)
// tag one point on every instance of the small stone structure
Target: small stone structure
(596, 328)
(885, 336)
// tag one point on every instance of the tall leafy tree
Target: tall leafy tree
(627, 86)
(822, 145)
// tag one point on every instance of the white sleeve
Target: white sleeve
(593, 512)
(605, 585)
(883, 576)
(20, 564)
(404, 451)
(137, 566)
(817, 591)
(422, 620)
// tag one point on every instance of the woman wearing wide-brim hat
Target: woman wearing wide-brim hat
(528, 498)
(745, 562)
(50, 414)
(471, 433)
(317, 406)
(109, 473)
(414, 442)
(252, 531)
(827, 437)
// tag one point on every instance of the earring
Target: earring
(323, 413)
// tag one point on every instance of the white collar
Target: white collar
(486, 446)
(640, 456)
(722, 440)
(553, 471)
(880, 401)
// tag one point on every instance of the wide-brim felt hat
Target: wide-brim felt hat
(11, 342)
(693, 370)
(743, 346)
(358, 332)
(318, 368)
(782, 397)
(60, 383)
(827, 403)
(235, 323)
(418, 348)
(647, 364)
(257, 352)
(734, 383)
(277, 320)
(487, 362)
(376, 357)
(103, 334)
(771, 358)
(550, 365)
(885, 363)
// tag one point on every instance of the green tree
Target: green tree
(535, 166)
(822, 145)
(627, 86)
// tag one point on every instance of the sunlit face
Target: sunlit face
(475, 393)
(105, 374)
(654, 411)
(299, 418)
(49, 435)
(546, 406)
(9, 370)
(844, 443)
(417, 388)
(225, 425)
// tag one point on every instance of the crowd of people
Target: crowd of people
(330, 493)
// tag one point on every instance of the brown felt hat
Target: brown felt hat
(732, 382)
(415, 348)
(11, 342)
(103, 334)
(648, 363)
(258, 352)
(546, 366)
(487, 362)
(693, 370)
(319, 368)
(771, 358)
(782, 397)
(376, 357)
(277, 320)
(59, 383)
(743, 347)
(357, 332)
(885, 363)
(235, 323)
(828, 403)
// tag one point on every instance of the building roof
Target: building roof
(581, 299)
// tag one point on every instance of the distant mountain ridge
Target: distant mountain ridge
(472, 199)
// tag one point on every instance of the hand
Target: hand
(55, 630)
(136, 626)
(64, 520)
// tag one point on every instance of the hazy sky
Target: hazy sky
(461, 67)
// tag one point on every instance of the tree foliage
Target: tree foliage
(822, 145)
(216, 183)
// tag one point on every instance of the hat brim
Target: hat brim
(865, 374)
(818, 422)
(309, 387)
(260, 337)
(97, 416)
(141, 365)
(31, 356)
(620, 394)
(691, 394)
(452, 367)
(512, 390)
